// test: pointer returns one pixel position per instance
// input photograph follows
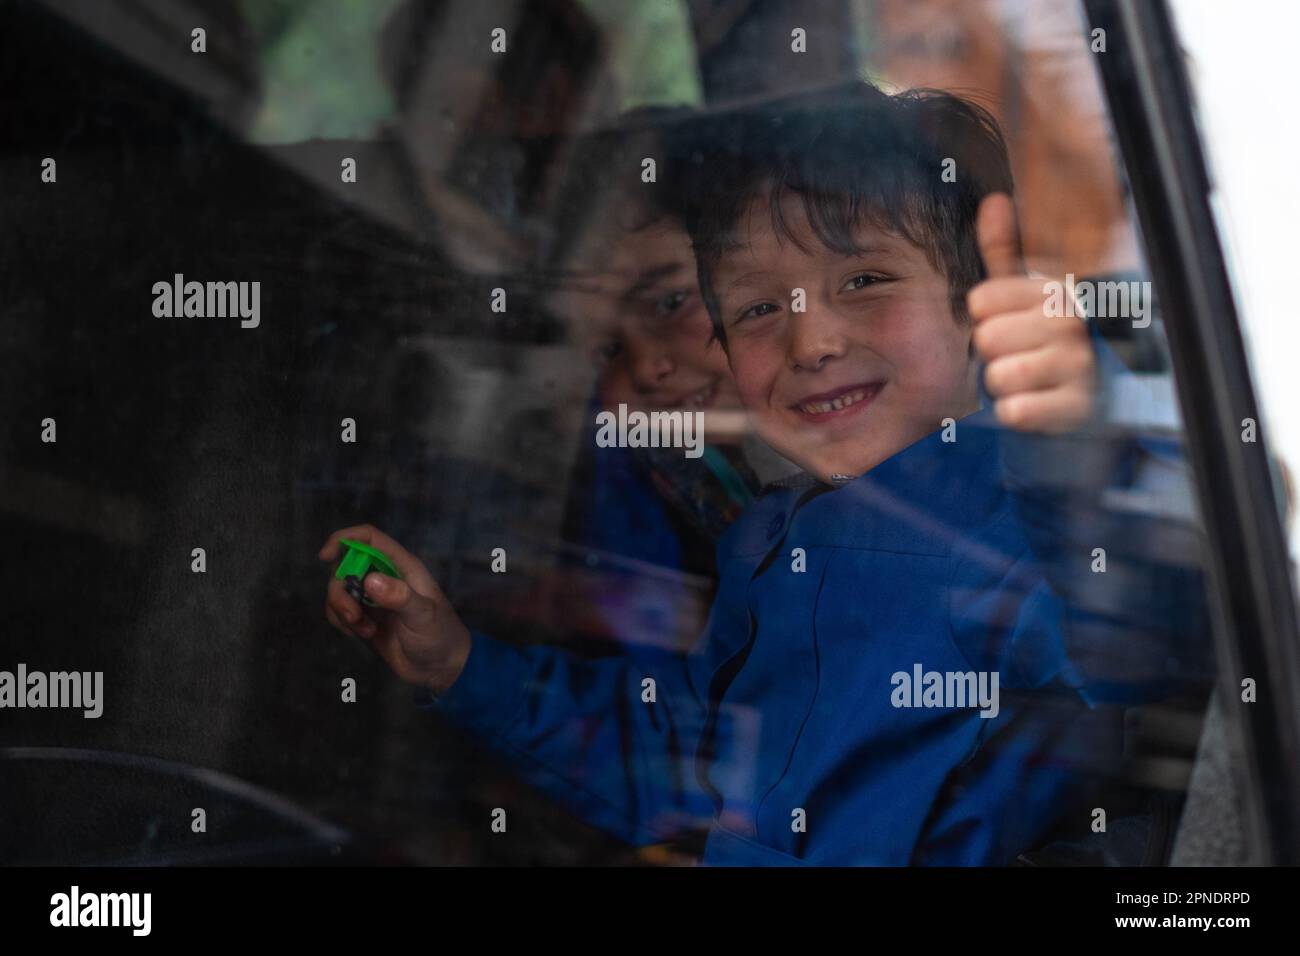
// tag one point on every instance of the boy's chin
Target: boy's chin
(831, 468)
(851, 457)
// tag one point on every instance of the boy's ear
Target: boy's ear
(997, 233)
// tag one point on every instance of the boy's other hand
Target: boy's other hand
(414, 628)
(1040, 369)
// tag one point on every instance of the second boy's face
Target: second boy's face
(637, 311)
(874, 363)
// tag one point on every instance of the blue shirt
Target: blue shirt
(780, 730)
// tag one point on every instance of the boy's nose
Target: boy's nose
(814, 337)
(650, 367)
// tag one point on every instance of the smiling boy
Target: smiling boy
(897, 550)
(831, 199)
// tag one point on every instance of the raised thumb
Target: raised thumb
(998, 236)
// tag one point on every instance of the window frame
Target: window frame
(1253, 601)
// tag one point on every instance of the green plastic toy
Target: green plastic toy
(359, 560)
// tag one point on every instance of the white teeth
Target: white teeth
(699, 399)
(834, 405)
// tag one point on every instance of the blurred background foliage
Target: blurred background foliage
(321, 76)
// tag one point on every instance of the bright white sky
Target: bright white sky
(1246, 68)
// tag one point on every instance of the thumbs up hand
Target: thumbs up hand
(1040, 369)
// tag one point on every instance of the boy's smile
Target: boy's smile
(875, 360)
(838, 402)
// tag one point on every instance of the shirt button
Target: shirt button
(775, 526)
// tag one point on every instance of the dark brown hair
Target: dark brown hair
(853, 155)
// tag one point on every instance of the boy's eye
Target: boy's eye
(608, 352)
(756, 310)
(670, 303)
(862, 281)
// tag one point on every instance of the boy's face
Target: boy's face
(875, 363)
(638, 313)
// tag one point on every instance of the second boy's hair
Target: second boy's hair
(604, 189)
(853, 155)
